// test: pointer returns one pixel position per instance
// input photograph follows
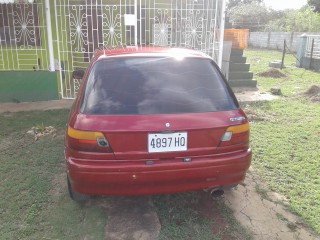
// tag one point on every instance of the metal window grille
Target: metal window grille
(23, 42)
(83, 26)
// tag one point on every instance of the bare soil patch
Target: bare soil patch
(211, 209)
(132, 218)
(11, 141)
(252, 95)
(31, 106)
(265, 212)
(272, 73)
(257, 116)
(253, 116)
(313, 93)
(59, 185)
(255, 60)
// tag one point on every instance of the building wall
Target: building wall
(22, 86)
(21, 77)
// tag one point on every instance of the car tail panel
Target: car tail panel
(128, 135)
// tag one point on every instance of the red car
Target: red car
(152, 121)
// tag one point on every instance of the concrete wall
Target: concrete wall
(19, 86)
(22, 83)
(274, 40)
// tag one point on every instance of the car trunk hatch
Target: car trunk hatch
(181, 135)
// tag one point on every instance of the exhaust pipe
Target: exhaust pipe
(217, 193)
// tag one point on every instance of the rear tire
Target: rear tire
(75, 196)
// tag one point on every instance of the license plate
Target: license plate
(167, 142)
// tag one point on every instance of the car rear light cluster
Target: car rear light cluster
(234, 135)
(87, 141)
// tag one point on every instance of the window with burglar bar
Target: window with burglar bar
(19, 25)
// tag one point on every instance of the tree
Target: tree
(234, 3)
(253, 16)
(303, 20)
(315, 4)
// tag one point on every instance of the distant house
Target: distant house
(42, 42)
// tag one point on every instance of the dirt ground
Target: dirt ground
(265, 213)
(30, 106)
(272, 73)
(313, 93)
(262, 212)
(252, 94)
(132, 218)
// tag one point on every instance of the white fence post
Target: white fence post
(49, 34)
(136, 23)
(221, 37)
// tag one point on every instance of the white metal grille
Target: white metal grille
(316, 46)
(23, 41)
(85, 25)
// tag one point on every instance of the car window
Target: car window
(157, 85)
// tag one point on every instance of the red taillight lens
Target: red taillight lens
(87, 141)
(235, 135)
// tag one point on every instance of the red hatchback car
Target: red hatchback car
(153, 121)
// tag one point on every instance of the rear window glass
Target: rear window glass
(136, 85)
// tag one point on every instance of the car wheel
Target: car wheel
(78, 197)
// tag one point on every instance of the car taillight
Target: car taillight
(87, 141)
(238, 134)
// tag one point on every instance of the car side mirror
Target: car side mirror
(78, 74)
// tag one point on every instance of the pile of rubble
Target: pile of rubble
(41, 131)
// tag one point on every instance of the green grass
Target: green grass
(34, 202)
(297, 80)
(196, 216)
(285, 142)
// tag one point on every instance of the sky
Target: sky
(285, 4)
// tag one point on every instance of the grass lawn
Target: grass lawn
(196, 215)
(285, 135)
(34, 202)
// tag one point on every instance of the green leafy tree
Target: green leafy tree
(253, 16)
(303, 20)
(234, 3)
(315, 4)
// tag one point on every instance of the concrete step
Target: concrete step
(238, 59)
(240, 75)
(243, 83)
(236, 51)
(244, 67)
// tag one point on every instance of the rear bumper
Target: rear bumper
(137, 178)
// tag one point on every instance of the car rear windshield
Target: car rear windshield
(144, 85)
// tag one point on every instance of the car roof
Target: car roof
(150, 51)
